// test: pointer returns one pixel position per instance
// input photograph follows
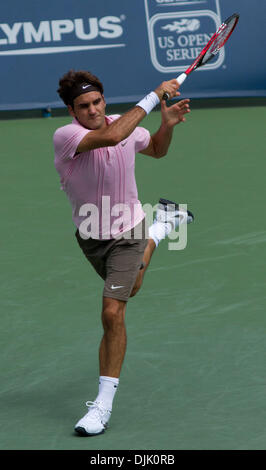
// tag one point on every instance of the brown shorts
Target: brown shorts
(117, 261)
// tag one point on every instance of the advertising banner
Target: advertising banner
(132, 46)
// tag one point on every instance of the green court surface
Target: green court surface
(194, 373)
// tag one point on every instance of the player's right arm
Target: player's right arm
(122, 127)
(114, 133)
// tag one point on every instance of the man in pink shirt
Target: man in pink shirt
(95, 158)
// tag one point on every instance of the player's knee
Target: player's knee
(113, 317)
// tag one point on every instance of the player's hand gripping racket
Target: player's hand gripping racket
(216, 42)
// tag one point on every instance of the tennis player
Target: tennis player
(95, 157)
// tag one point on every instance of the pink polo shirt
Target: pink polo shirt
(100, 184)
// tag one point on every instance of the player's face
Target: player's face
(89, 110)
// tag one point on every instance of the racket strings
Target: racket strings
(219, 39)
(223, 34)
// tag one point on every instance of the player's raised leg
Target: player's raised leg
(168, 217)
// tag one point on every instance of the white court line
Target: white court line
(197, 261)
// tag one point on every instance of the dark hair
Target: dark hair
(73, 78)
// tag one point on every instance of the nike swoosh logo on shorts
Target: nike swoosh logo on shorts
(116, 287)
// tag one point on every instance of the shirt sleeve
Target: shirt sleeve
(142, 139)
(66, 140)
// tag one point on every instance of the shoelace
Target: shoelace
(97, 410)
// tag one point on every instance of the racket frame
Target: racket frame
(198, 61)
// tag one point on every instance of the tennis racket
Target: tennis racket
(216, 42)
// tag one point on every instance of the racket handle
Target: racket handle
(180, 79)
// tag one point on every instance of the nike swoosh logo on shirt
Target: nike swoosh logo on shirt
(124, 143)
(116, 287)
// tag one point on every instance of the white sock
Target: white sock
(107, 389)
(159, 230)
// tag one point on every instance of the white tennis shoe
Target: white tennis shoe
(169, 216)
(170, 212)
(95, 421)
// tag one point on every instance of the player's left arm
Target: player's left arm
(171, 116)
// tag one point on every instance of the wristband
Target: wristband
(149, 102)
